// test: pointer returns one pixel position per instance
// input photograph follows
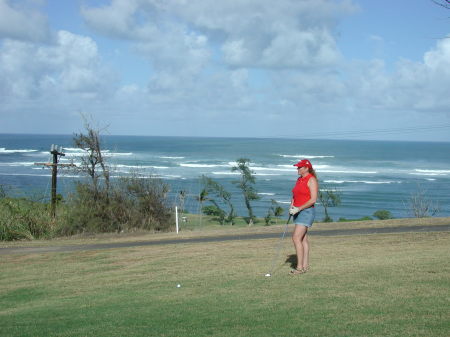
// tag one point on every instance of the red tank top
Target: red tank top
(301, 192)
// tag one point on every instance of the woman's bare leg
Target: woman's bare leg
(305, 243)
(298, 239)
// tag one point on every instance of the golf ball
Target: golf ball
(268, 275)
(178, 285)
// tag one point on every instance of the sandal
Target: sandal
(297, 271)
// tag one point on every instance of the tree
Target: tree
(443, 3)
(420, 205)
(268, 218)
(277, 210)
(246, 185)
(182, 198)
(201, 198)
(329, 197)
(104, 205)
(274, 210)
(213, 187)
(93, 163)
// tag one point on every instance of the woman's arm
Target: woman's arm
(314, 190)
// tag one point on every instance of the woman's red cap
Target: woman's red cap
(304, 162)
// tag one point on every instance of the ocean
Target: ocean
(370, 175)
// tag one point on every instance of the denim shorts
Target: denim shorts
(305, 217)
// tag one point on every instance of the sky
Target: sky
(335, 69)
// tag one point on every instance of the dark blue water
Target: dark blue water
(370, 175)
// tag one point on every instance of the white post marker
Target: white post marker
(176, 217)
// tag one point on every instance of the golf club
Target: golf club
(277, 254)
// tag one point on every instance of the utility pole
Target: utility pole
(55, 152)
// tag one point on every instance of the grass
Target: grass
(208, 227)
(374, 285)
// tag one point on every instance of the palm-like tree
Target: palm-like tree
(201, 198)
(246, 185)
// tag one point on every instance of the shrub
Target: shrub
(127, 204)
(2, 192)
(268, 219)
(327, 219)
(148, 200)
(215, 211)
(24, 219)
(105, 205)
(420, 205)
(364, 218)
(383, 214)
(275, 210)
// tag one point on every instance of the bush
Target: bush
(106, 205)
(24, 219)
(365, 218)
(2, 192)
(420, 205)
(215, 211)
(327, 219)
(383, 214)
(127, 204)
(275, 210)
(268, 219)
(147, 199)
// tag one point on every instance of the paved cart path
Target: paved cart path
(221, 238)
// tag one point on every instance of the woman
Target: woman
(304, 196)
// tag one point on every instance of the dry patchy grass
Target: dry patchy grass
(376, 285)
(209, 229)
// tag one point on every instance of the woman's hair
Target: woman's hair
(313, 172)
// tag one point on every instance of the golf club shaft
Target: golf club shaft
(279, 245)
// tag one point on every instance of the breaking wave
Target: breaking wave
(302, 156)
(4, 150)
(362, 182)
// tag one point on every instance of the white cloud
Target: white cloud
(250, 33)
(191, 44)
(415, 86)
(22, 23)
(301, 49)
(177, 54)
(260, 62)
(70, 65)
(438, 59)
(235, 52)
(264, 33)
(313, 89)
(117, 19)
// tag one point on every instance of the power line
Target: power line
(352, 133)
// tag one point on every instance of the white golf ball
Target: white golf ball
(268, 275)
(178, 285)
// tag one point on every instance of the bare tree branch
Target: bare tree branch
(442, 3)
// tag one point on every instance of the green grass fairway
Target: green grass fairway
(374, 285)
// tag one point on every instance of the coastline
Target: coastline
(372, 175)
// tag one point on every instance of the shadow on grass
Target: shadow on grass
(292, 259)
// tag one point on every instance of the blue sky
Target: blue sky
(356, 69)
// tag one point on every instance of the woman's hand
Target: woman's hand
(294, 210)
